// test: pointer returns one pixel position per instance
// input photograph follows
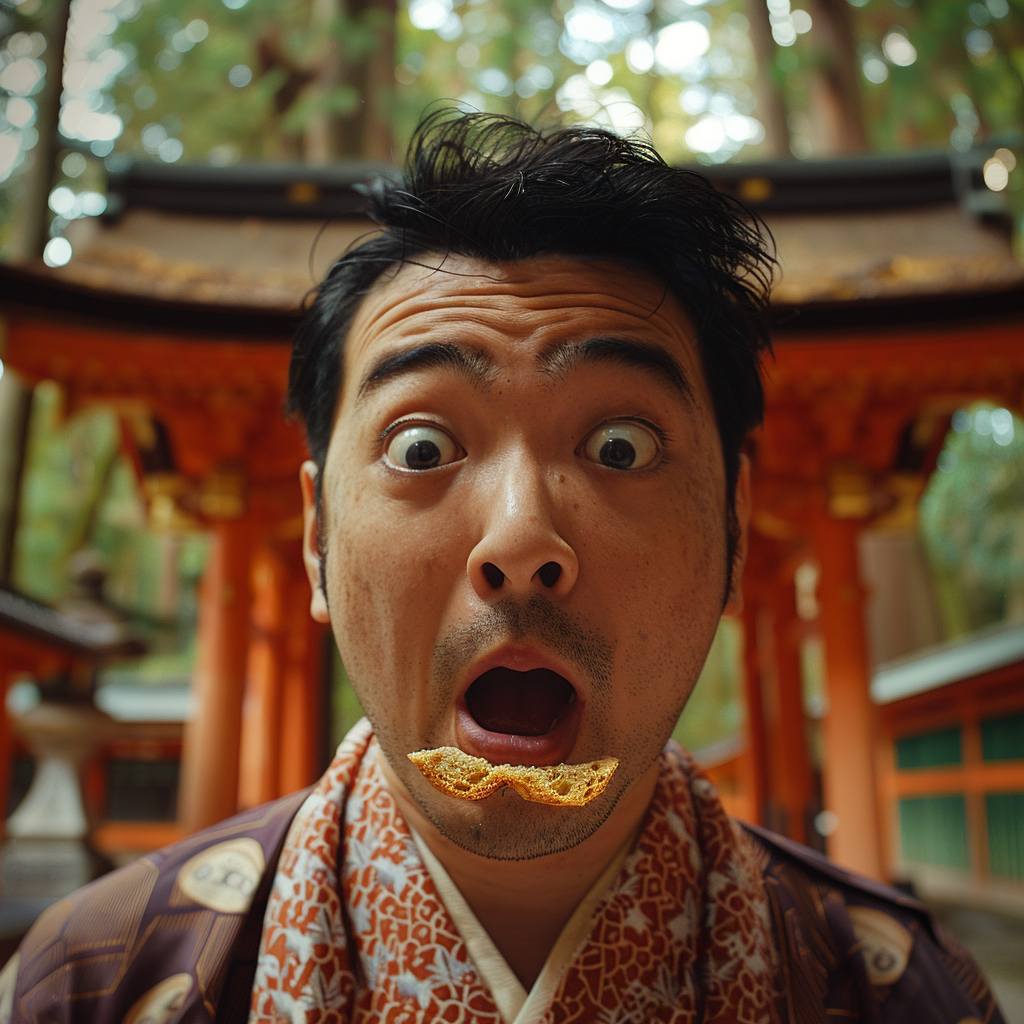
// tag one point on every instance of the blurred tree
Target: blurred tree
(835, 78)
(314, 80)
(771, 99)
(972, 523)
(941, 73)
(715, 711)
(37, 193)
(263, 79)
(67, 469)
(684, 74)
(80, 492)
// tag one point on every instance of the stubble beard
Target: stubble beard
(504, 826)
(509, 828)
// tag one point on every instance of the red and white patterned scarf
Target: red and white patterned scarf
(682, 935)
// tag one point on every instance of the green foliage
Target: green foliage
(714, 712)
(170, 75)
(922, 101)
(519, 58)
(80, 491)
(955, 82)
(239, 82)
(66, 470)
(345, 707)
(972, 525)
(254, 80)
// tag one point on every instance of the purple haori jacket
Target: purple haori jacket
(174, 936)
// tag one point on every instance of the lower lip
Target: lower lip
(553, 747)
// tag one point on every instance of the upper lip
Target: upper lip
(519, 658)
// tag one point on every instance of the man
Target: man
(526, 510)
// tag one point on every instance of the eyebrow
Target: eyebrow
(563, 357)
(471, 363)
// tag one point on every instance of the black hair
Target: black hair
(493, 188)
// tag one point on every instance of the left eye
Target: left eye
(621, 446)
(421, 448)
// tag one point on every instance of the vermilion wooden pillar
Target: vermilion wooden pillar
(208, 791)
(848, 769)
(301, 708)
(753, 763)
(260, 761)
(6, 742)
(791, 783)
(282, 714)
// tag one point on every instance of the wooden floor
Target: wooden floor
(997, 943)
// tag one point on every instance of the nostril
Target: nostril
(495, 577)
(549, 573)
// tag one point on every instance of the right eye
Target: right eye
(421, 447)
(622, 446)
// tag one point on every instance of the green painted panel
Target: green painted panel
(1002, 739)
(933, 830)
(929, 749)
(1005, 814)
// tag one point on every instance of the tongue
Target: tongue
(520, 703)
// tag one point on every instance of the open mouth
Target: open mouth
(531, 703)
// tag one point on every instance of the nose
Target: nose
(521, 551)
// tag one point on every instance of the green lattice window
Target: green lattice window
(1005, 814)
(1002, 739)
(142, 790)
(929, 749)
(933, 830)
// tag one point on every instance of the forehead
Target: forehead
(497, 306)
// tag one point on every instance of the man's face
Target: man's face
(524, 514)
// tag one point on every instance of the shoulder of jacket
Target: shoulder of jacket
(267, 825)
(97, 939)
(823, 870)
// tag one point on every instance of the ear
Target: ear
(311, 542)
(734, 605)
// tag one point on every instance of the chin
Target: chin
(506, 827)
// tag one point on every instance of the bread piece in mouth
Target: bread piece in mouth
(472, 778)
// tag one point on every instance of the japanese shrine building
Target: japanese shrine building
(900, 302)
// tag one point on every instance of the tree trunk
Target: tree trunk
(15, 411)
(365, 131)
(771, 103)
(35, 233)
(835, 86)
(321, 140)
(378, 84)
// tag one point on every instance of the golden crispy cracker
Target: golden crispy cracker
(472, 778)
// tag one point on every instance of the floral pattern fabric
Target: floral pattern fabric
(178, 935)
(684, 933)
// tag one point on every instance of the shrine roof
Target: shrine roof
(949, 662)
(879, 231)
(40, 294)
(39, 622)
(861, 242)
(265, 263)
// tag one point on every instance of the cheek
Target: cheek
(665, 548)
(665, 566)
(382, 558)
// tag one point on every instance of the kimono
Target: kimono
(326, 907)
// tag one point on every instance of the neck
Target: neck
(524, 905)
